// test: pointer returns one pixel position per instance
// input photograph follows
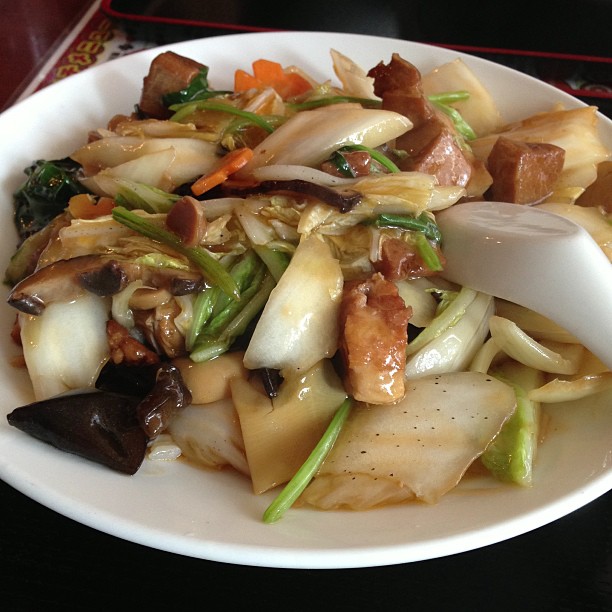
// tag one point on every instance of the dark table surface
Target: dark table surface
(48, 559)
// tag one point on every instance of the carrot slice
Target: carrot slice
(267, 73)
(228, 164)
(294, 85)
(86, 206)
(244, 81)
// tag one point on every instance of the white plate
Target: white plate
(215, 516)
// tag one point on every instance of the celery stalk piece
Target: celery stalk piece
(275, 260)
(242, 270)
(511, 454)
(223, 316)
(213, 271)
(132, 194)
(255, 297)
(223, 319)
(293, 489)
(202, 310)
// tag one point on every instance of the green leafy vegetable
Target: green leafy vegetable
(202, 309)
(293, 489)
(161, 260)
(198, 89)
(213, 271)
(45, 194)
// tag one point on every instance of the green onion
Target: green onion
(184, 110)
(442, 102)
(423, 223)
(293, 489)
(213, 271)
(448, 97)
(428, 253)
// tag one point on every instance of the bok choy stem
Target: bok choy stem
(293, 489)
(213, 271)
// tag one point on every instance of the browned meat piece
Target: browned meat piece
(169, 72)
(432, 144)
(374, 334)
(400, 260)
(599, 193)
(523, 172)
(126, 349)
(358, 161)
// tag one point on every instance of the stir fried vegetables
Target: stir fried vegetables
(262, 270)
(44, 194)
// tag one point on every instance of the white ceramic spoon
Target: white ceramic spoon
(534, 258)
